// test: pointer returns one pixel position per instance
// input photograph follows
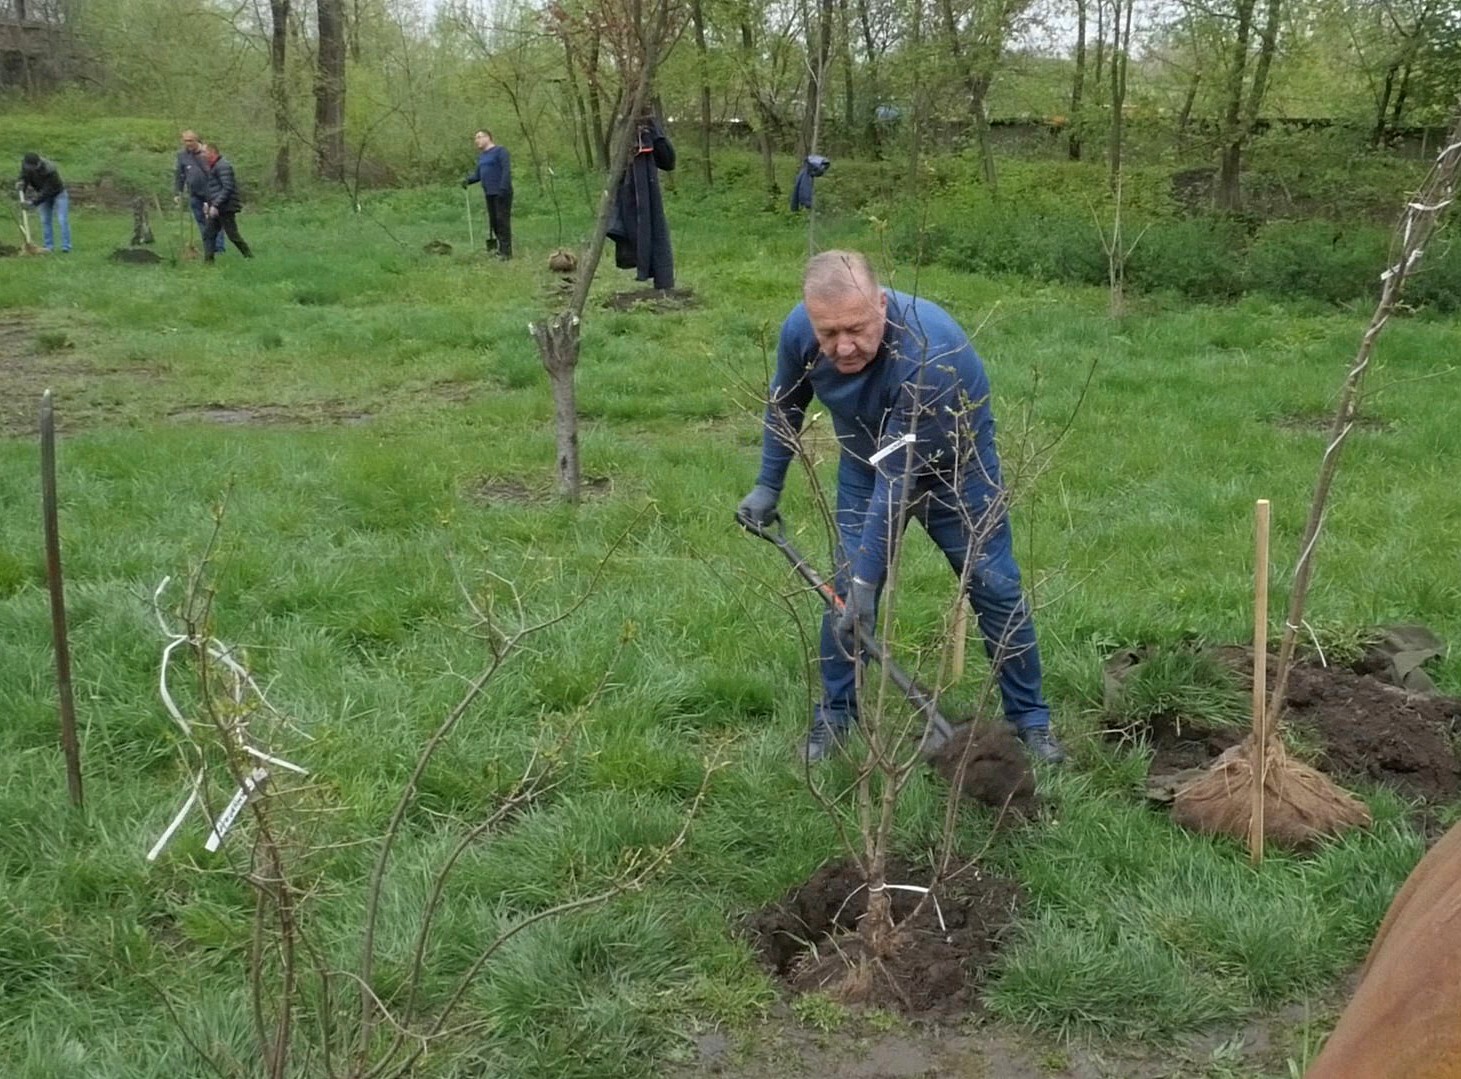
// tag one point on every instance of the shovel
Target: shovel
(986, 763)
(938, 732)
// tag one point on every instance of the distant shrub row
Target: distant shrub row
(1208, 259)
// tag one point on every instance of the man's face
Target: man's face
(210, 155)
(849, 327)
(190, 142)
(483, 140)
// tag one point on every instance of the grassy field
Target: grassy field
(390, 455)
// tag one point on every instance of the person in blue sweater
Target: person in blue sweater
(494, 173)
(909, 402)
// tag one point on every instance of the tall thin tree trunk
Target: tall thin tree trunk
(874, 84)
(816, 74)
(977, 87)
(1120, 49)
(1078, 82)
(697, 15)
(849, 90)
(1227, 194)
(596, 106)
(763, 114)
(915, 127)
(330, 91)
(558, 338)
(279, 90)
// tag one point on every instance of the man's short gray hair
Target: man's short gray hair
(834, 275)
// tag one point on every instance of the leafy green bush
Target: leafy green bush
(1319, 259)
(1201, 258)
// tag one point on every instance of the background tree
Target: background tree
(329, 136)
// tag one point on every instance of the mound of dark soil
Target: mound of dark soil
(1370, 730)
(8, 251)
(656, 299)
(1366, 731)
(436, 247)
(138, 256)
(937, 959)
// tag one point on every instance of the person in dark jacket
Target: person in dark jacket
(494, 173)
(909, 401)
(638, 228)
(40, 187)
(190, 177)
(222, 204)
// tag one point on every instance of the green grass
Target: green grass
(396, 386)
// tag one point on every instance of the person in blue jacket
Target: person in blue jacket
(494, 173)
(909, 402)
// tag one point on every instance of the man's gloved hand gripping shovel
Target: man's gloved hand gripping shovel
(993, 770)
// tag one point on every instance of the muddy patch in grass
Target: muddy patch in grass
(1360, 729)
(516, 491)
(318, 413)
(657, 300)
(34, 359)
(940, 952)
(1323, 421)
(136, 256)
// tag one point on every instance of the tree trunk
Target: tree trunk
(1078, 82)
(763, 114)
(1120, 49)
(330, 91)
(1100, 64)
(816, 76)
(977, 87)
(849, 90)
(1227, 194)
(1382, 108)
(279, 90)
(697, 15)
(576, 106)
(596, 107)
(1184, 117)
(915, 127)
(558, 338)
(874, 83)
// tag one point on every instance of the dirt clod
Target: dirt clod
(936, 960)
(989, 766)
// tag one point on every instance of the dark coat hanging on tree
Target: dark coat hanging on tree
(638, 228)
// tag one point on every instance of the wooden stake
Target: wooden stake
(1261, 732)
(69, 745)
(960, 633)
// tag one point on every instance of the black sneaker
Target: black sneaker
(1041, 745)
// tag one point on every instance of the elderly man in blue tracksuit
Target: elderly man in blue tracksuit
(494, 173)
(909, 402)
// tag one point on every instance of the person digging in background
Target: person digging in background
(888, 366)
(494, 173)
(40, 188)
(222, 204)
(190, 176)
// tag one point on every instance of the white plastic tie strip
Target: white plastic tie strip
(906, 440)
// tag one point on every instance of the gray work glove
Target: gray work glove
(759, 507)
(857, 616)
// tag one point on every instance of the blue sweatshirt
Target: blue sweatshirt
(493, 171)
(926, 380)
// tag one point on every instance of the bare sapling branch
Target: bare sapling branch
(1417, 224)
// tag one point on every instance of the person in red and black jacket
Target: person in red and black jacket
(223, 204)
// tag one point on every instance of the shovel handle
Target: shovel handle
(941, 731)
